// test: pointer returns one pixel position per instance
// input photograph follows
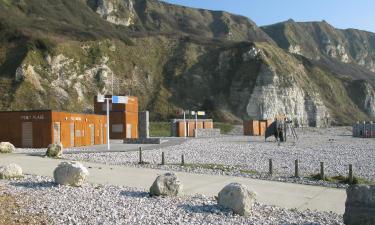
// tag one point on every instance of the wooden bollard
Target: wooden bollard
(270, 171)
(351, 177)
(296, 169)
(182, 160)
(140, 155)
(322, 170)
(162, 159)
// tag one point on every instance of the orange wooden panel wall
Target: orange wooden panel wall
(262, 127)
(82, 125)
(191, 126)
(132, 118)
(11, 127)
(251, 128)
(181, 129)
(208, 125)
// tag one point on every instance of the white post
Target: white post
(196, 123)
(196, 120)
(108, 144)
(184, 124)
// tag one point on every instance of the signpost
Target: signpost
(115, 100)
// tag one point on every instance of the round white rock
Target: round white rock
(238, 198)
(166, 185)
(70, 173)
(55, 150)
(6, 147)
(10, 171)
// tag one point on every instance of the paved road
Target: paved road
(273, 193)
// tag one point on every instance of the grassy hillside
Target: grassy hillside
(58, 54)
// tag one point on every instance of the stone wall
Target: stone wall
(360, 205)
(205, 133)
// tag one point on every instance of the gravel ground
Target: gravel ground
(93, 204)
(334, 146)
(248, 156)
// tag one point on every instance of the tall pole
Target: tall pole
(108, 144)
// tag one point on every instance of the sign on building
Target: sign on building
(120, 99)
(101, 98)
(201, 113)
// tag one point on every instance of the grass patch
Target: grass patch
(249, 171)
(209, 166)
(343, 179)
(224, 127)
(160, 129)
(221, 167)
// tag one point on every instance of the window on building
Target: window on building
(117, 128)
(104, 107)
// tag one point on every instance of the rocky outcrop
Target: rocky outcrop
(6, 147)
(272, 96)
(55, 150)
(166, 185)
(360, 205)
(70, 173)
(120, 12)
(320, 40)
(237, 198)
(10, 171)
(27, 73)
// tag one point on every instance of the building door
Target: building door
(56, 132)
(101, 134)
(128, 130)
(71, 134)
(27, 134)
(92, 134)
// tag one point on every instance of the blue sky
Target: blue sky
(359, 14)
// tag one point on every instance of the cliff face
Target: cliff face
(364, 94)
(172, 57)
(319, 40)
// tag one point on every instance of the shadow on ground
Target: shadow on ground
(205, 208)
(135, 194)
(34, 185)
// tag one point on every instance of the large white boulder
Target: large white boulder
(10, 171)
(166, 185)
(237, 198)
(6, 147)
(70, 173)
(55, 150)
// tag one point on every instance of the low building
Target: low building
(123, 118)
(364, 130)
(256, 127)
(180, 127)
(38, 129)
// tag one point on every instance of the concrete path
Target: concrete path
(273, 193)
